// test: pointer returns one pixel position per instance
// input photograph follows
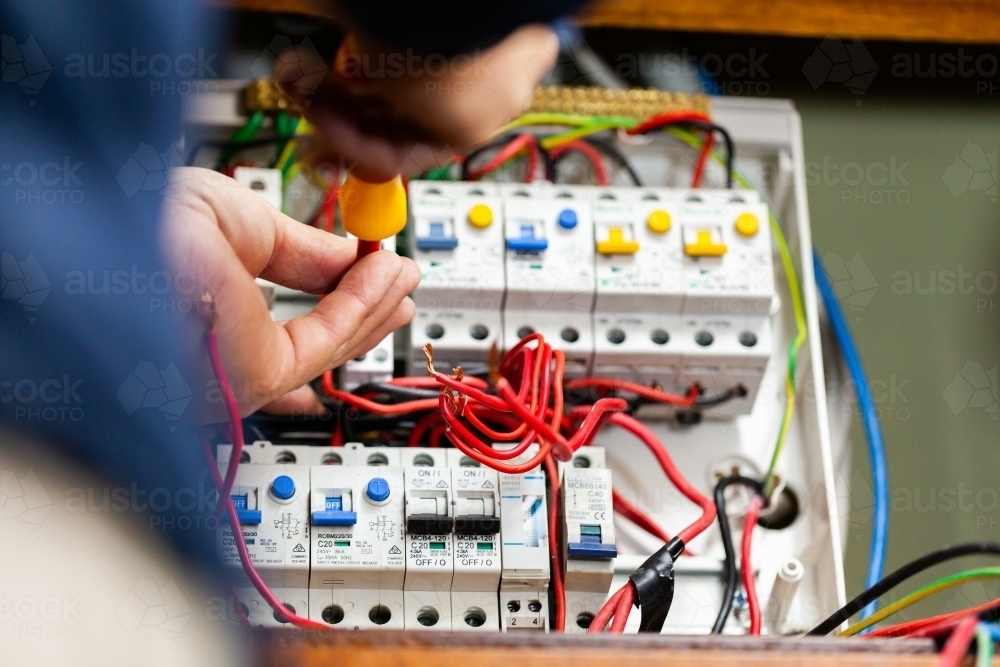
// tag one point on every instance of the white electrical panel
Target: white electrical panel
(664, 285)
(357, 557)
(651, 285)
(549, 234)
(272, 504)
(410, 538)
(459, 247)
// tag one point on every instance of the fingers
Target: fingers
(413, 121)
(370, 301)
(267, 242)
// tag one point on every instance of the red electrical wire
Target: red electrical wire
(634, 388)
(603, 616)
(521, 142)
(234, 414)
(432, 383)
(703, 155)
(623, 609)
(668, 118)
(929, 626)
(956, 646)
(227, 500)
(592, 154)
(637, 516)
(337, 437)
(641, 431)
(423, 425)
(372, 406)
(555, 553)
(749, 581)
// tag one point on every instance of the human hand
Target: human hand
(388, 111)
(217, 228)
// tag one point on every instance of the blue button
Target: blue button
(283, 487)
(378, 489)
(567, 218)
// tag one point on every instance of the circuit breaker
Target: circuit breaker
(524, 538)
(588, 541)
(459, 246)
(728, 281)
(477, 549)
(549, 234)
(640, 295)
(357, 557)
(430, 550)
(272, 504)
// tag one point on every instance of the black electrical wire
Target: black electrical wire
(616, 155)
(899, 576)
(739, 391)
(732, 573)
(709, 127)
(500, 143)
(395, 392)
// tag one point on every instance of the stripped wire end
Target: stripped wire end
(429, 353)
(493, 364)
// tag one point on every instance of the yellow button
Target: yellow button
(747, 224)
(658, 222)
(616, 244)
(704, 246)
(480, 216)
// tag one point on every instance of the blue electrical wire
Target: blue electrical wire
(873, 431)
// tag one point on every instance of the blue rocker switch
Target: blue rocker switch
(436, 239)
(247, 517)
(334, 514)
(590, 545)
(527, 239)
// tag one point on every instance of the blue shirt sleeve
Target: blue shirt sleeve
(99, 346)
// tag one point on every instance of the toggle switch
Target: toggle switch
(528, 239)
(336, 511)
(616, 244)
(440, 236)
(706, 243)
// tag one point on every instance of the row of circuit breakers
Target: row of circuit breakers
(417, 539)
(652, 285)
